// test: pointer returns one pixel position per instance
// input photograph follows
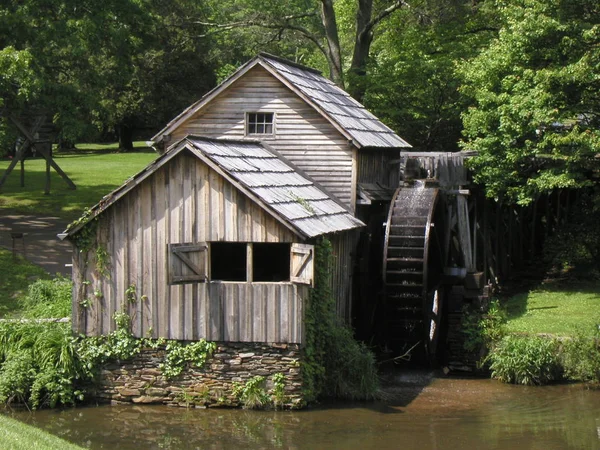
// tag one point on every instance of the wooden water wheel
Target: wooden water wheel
(411, 272)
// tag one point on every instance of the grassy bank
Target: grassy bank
(555, 309)
(16, 435)
(94, 168)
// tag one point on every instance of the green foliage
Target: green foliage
(574, 250)
(48, 298)
(178, 355)
(131, 294)
(413, 85)
(580, 357)
(483, 329)
(278, 396)
(525, 360)
(119, 345)
(335, 365)
(40, 364)
(534, 116)
(102, 261)
(15, 279)
(252, 394)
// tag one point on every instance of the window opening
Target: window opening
(271, 262)
(228, 261)
(259, 123)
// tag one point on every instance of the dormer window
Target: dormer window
(259, 123)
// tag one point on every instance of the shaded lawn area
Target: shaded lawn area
(16, 435)
(16, 275)
(94, 172)
(555, 309)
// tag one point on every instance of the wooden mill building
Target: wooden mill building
(213, 239)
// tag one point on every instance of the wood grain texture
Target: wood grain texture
(186, 201)
(302, 135)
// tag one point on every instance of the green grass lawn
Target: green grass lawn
(15, 435)
(16, 275)
(94, 169)
(557, 310)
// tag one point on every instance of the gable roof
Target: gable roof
(262, 175)
(346, 114)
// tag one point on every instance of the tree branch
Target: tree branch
(284, 25)
(383, 14)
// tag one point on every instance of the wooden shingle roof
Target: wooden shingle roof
(262, 175)
(350, 118)
(364, 128)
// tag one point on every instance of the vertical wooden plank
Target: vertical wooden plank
(230, 311)
(215, 313)
(120, 236)
(201, 318)
(187, 230)
(464, 231)
(246, 307)
(147, 259)
(244, 219)
(161, 302)
(78, 313)
(109, 283)
(272, 314)
(285, 295)
(258, 305)
(176, 226)
(135, 259)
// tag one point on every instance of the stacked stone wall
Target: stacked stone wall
(140, 380)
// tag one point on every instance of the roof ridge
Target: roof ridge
(290, 63)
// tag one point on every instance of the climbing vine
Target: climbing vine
(86, 241)
(178, 355)
(335, 364)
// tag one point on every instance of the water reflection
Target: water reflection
(441, 413)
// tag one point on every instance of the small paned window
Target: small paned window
(259, 123)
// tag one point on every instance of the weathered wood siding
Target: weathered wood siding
(302, 135)
(379, 166)
(343, 252)
(184, 202)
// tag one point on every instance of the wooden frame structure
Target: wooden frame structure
(42, 146)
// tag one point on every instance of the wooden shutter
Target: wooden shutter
(188, 263)
(302, 264)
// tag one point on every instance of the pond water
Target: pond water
(422, 412)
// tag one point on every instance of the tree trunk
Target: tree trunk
(125, 137)
(362, 45)
(334, 53)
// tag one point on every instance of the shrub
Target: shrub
(40, 365)
(335, 364)
(580, 358)
(483, 328)
(525, 360)
(252, 394)
(48, 298)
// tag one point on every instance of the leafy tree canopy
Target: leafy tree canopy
(535, 115)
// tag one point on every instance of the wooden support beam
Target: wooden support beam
(464, 232)
(47, 155)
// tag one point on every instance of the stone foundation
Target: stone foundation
(140, 380)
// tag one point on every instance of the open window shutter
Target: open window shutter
(188, 263)
(302, 264)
